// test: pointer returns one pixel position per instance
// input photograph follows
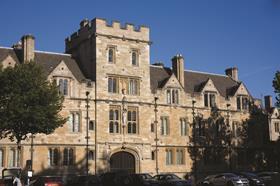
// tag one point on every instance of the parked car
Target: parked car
(204, 181)
(171, 180)
(228, 179)
(83, 180)
(268, 177)
(142, 180)
(47, 181)
(254, 180)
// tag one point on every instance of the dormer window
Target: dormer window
(172, 96)
(111, 55)
(63, 86)
(242, 102)
(209, 99)
(134, 57)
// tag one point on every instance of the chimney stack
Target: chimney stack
(233, 73)
(28, 46)
(178, 68)
(267, 102)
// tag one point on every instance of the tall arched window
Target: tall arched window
(134, 58)
(183, 126)
(53, 156)
(12, 158)
(172, 96)
(68, 156)
(74, 122)
(164, 126)
(112, 85)
(114, 119)
(111, 55)
(132, 120)
(63, 86)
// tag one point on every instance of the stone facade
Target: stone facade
(112, 63)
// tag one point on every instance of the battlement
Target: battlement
(113, 29)
(117, 25)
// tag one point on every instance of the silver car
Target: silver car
(228, 179)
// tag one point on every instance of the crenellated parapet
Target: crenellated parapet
(102, 27)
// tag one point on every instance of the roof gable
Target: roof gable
(209, 86)
(49, 61)
(194, 81)
(241, 90)
(5, 52)
(172, 82)
(8, 62)
(62, 70)
(275, 113)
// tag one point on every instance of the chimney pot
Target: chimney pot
(178, 68)
(268, 102)
(232, 72)
(28, 46)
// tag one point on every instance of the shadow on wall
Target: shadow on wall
(217, 148)
(212, 150)
(78, 168)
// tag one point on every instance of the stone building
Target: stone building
(273, 119)
(135, 108)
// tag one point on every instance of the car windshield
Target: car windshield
(172, 176)
(145, 176)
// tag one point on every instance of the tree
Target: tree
(211, 138)
(29, 103)
(276, 85)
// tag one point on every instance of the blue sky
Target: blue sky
(212, 35)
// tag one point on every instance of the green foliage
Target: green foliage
(276, 85)
(29, 104)
(257, 128)
(211, 137)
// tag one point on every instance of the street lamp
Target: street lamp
(31, 151)
(194, 140)
(156, 127)
(229, 137)
(124, 113)
(87, 137)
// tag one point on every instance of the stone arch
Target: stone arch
(128, 150)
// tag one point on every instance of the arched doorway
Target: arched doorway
(122, 161)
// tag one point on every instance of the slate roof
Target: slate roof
(159, 75)
(193, 80)
(48, 61)
(4, 52)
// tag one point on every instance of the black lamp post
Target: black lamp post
(194, 141)
(229, 138)
(31, 151)
(124, 112)
(156, 131)
(87, 137)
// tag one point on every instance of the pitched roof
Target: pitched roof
(50, 61)
(47, 60)
(5, 52)
(193, 80)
